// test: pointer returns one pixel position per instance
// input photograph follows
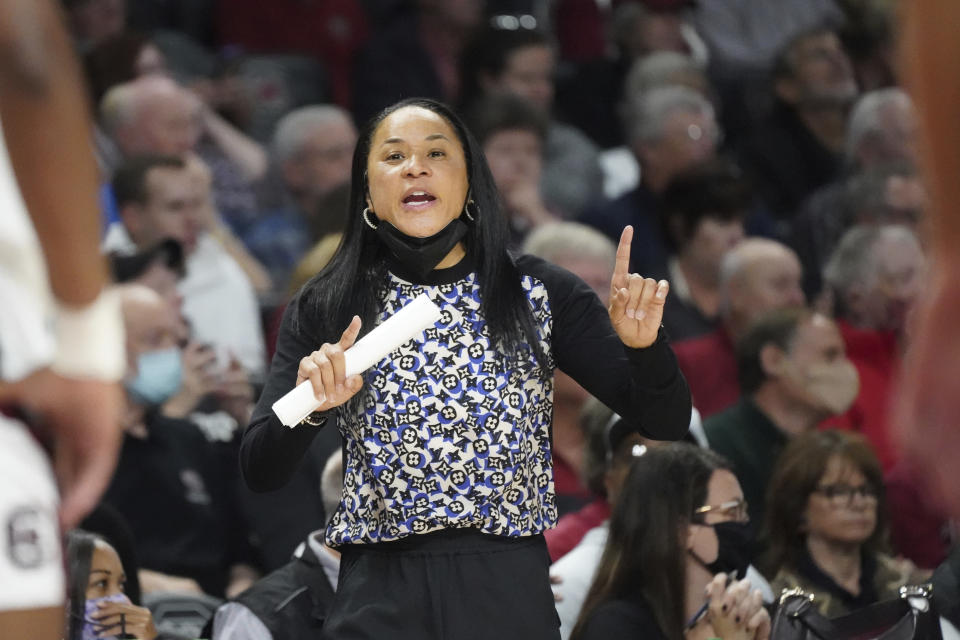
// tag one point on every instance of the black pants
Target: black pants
(447, 585)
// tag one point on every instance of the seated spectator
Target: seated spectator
(636, 32)
(670, 129)
(826, 522)
(591, 256)
(155, 115)
(162, 197)
(600, 473)
(756, 276)
(794, 374)
(651, 584)
(799, 147)
(577, 542)
(312, 151)
(522, 63)
(215, 392)
(880, 186)
(875, 278)
(292, 601)
(621, 173)
(512, 134)
(98, 606)
(416, 51)
(703, 210)
(169, 483)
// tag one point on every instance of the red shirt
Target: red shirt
(709, 363)
(876, 356)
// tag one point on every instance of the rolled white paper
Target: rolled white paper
(402, 326)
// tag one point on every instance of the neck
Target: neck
(827, 124)
(792, 418)
(840, 561)
(703, 285)
(455, 256)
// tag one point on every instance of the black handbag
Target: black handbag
(912, 616)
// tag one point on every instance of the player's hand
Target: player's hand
(636, 303)
(326, 370)
(83, 417)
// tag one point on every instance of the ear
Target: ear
(771, 360)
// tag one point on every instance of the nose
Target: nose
(416, 167)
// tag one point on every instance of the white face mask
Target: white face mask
(832, 386)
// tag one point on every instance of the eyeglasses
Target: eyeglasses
(734, 510)
(841, 495)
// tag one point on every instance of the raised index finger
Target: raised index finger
(622, 267)
(350, 334)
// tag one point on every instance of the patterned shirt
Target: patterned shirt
(450, 432)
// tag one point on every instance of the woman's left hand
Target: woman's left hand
(137, 621)
(636, 303)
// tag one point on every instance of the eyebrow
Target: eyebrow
(432, 136)
(93, 571)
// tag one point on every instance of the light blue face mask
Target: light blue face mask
(90, 626)
(159, 374)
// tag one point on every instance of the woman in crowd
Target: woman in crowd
(826, 524)
(448, 465)
(657, 586)
(98, 606)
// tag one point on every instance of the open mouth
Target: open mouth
(418, 199)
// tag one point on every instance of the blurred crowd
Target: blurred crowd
(761, 149)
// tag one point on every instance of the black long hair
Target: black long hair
(645, 551)
(80, 546)
(355, 280)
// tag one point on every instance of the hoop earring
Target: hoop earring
(466, 210)
(366, 218)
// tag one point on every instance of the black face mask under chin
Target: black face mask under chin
(735, 548)
(421, 255)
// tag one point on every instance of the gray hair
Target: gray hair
(866, 118)
(331, 484)
(559, 240)
(295, 128)
(658, 69)
(853, 262)
(117, 108)
(645, 116)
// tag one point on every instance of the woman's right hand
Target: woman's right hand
(736, 612)
(325, 368)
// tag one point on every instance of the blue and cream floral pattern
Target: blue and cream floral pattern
(448, 431)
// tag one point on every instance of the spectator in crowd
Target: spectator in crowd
(703, 210)
(799, 147)
(96, 595)
(119, 59)
(292, 602)
(577, 542)
(591, 256)
(522, 63)
(512, 135)
(794, 374)
(169, 484)
(875, 276)
(670, 129)
(652, 585)
(756, 276)
(159, 267)
(155, 115)
(163, 197)
(826, 525)
(312, 147)
(416, 52)
(661, 69)
(881, 186)
(636, 32)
